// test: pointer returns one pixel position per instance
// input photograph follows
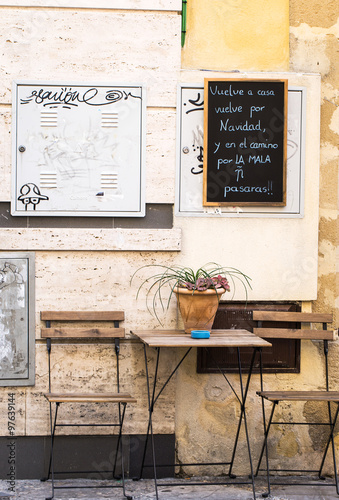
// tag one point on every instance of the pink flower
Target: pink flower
(202, 284)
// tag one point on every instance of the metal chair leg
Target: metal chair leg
(150, 408)
(51, 459)
(243, 409)
(144, 452)
(121, 420)
(121, 451)
(265, 447)
(331, 441)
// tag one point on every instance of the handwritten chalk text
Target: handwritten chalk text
(229, 127)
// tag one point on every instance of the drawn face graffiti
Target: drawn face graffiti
(30, 194)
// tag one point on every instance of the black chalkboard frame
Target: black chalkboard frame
(239, 199)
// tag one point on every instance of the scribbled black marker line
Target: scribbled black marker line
(131, 95)
(195, 103)
(112, 96)
(9, 274)
(196, 172)
(63, 96)
(67, 97)
(30, 195)
(58, 97)
(199, 158)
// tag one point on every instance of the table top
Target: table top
(218, 338)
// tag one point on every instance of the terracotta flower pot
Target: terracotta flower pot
(198, 309)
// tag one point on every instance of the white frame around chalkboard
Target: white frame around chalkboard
(189, 187)
(17, 324)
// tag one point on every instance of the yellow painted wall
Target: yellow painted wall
(314, 31)
(228, 35)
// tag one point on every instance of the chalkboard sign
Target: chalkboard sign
(245, 142)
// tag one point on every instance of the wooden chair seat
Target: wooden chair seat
(113, 397)
(300, 395)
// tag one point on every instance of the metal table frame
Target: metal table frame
(219, 338)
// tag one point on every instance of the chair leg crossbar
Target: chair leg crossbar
(119, 451)
(330, 441)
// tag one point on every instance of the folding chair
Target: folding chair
(321, 396)
(89, 335)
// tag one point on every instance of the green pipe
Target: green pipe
(183, 22)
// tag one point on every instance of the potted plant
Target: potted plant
(198, 292)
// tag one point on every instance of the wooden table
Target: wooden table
(179, 339)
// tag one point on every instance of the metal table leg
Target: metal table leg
(153, 397)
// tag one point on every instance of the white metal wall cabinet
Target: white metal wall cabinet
(78, 149)
(190, 141)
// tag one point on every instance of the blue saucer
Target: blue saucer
(200, 334)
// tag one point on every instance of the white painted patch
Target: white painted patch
(6, 352)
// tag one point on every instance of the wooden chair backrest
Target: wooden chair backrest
(67, 332)
(302, 318)
(92, 334)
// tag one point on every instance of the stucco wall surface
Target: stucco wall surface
(314, 36)
(229, 35)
